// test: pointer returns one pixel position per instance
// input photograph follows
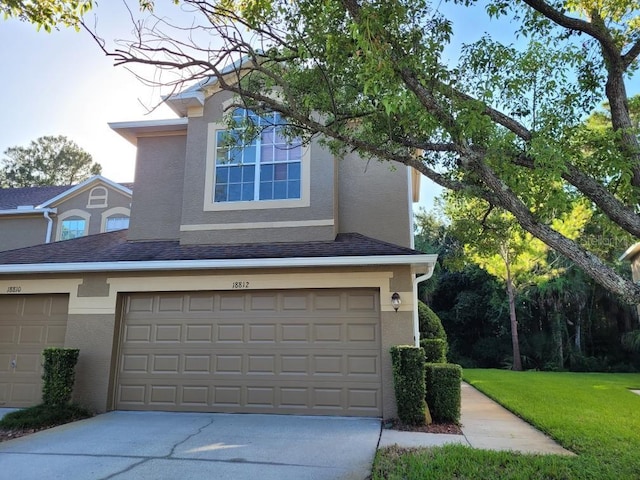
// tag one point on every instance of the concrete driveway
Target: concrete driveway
(150, 445)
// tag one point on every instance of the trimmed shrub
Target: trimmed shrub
(430, 324)
(443, 394)
(59, 375)
(43, 416)
(435, 350)
(408, 381)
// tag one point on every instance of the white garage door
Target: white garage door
(303, 352)
(28, 324)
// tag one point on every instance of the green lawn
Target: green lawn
(592, 414)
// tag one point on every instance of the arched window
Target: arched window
(117, 223)
(116, 218)
(72, 224)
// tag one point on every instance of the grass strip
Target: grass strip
(592, 414)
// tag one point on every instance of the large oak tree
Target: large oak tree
(503, 124)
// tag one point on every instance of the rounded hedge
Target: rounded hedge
(430, 324)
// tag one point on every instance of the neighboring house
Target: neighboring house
(250, 280)
(633, 255)
(35, 215)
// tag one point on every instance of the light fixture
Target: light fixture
(395, 301)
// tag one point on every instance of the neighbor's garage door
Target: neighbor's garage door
(28, 324)
(304, 352)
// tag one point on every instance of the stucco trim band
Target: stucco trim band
(245, 226)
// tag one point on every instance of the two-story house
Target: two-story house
(34, 215)
(271, 277)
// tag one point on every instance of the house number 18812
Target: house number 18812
(236, 285)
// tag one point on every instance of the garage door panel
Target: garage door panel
(299, 302)
(10, 305)
(298, 332)
(37, 306)
(198, 333)
(312, 352)
(197, 364)
(228, 364)
(232, 303)
(233, 396)
(5, 362)
(170, 303)
(362, 302)
(8, 334)
(31, 334)
(262, 333)
(23, 393)
(28, 363)
(171, 333)
(132, 395)
(28, 325)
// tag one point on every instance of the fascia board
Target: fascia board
(141, 266)
(132, 130)
(180, 102)
(30, 211)
(83, 185)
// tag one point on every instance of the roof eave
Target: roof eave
(85, 184)
(181, 102)
(141, 266)
(131, 131)
(30, 211)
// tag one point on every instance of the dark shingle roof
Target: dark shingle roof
(114, 247)
(11, 198)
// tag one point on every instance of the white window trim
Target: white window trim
(210, 172)
(86, 216)
(119, 211)
(104, 197)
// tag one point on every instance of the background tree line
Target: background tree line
(565, 320)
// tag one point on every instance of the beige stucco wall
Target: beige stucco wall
(93, 335)
(22, 231)
(80, 201)
(156, 206)
(94, 306)
(374, 199)
(212, 227)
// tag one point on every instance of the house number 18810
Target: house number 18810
(236, 285)
(14, 289)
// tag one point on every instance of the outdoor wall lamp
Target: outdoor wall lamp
(395, 301)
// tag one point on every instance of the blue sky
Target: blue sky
(62, 84)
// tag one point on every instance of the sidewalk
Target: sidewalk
(485, 425)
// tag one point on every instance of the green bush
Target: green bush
(429, 322)
(43, 416)
(59, 375)
(443, 394)
(435, 350)
(408, 380)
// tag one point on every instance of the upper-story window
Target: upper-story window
(73, 228)
(268, 171)
(98, 197)
(268, 168)
(72, 224)
(117, 223)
